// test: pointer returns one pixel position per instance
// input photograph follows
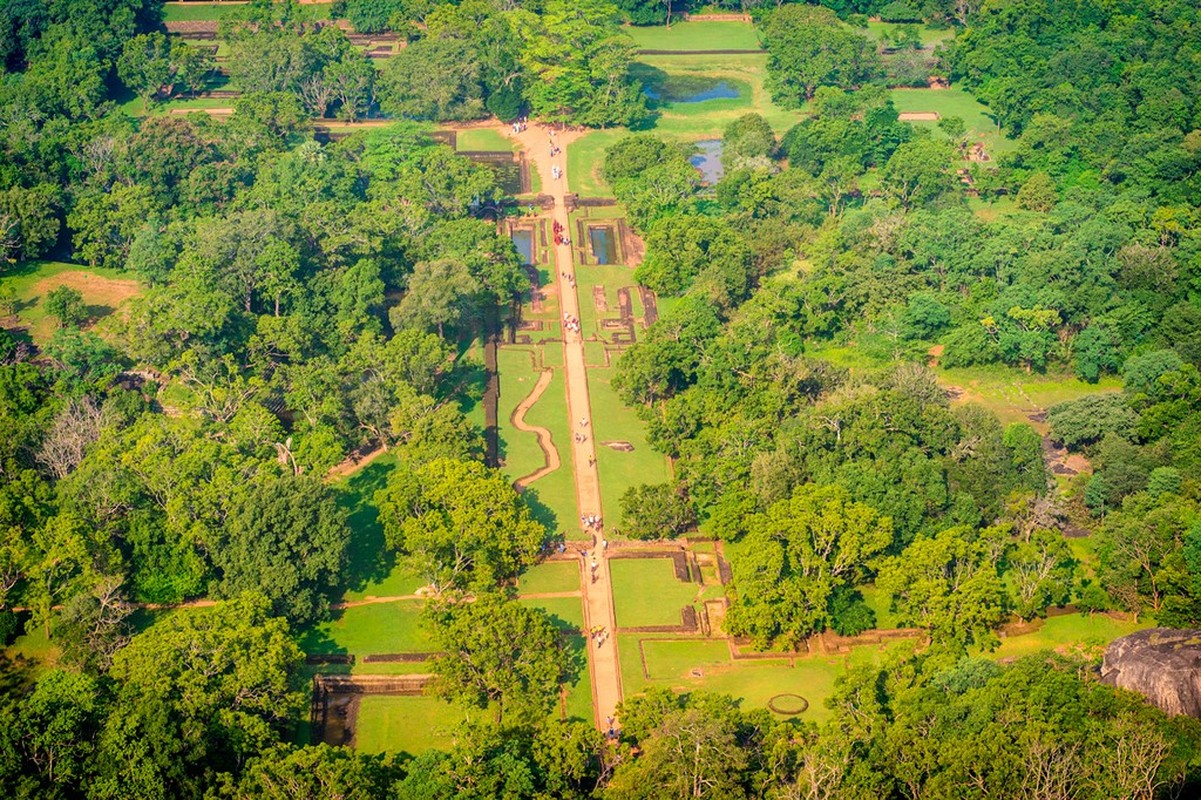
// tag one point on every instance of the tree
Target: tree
(658, 511)
(1038, 193)
(499, 656)
(319, 772)
(579, 61)
(286, 537)
(1041, 568)
(66, 305)
(948, 584)
(92, 627)
(105, 223)
(1083, 422)
(435, 79)
(747, 143)
(796, 556)
(51, 735)
(198, 694)
(808, 47)
(436, 295)
(459, 524)
(29, 222)
(919, 173)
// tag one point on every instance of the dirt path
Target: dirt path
(545, 442)
(598, 595)
(351, 465)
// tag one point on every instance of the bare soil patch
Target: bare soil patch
(919, 116)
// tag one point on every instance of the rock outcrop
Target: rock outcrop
(1162, 664)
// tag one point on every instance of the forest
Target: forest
(255, 289)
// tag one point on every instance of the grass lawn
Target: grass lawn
(552, 497)
(646, 592)
(954, 103)
(1071, 633)
(103, 290)
(209, 12)
(372, 629)
(566, 612)
(519, 450)
(137, 107)
(391, 724)
(1012, 394)
(552, 576)
(586, 158)
(929, 36)
(683, 121)
(698, 35)
(612, 421)
(879, 602)
(482, 139)
(578, 703)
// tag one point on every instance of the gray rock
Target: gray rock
(1162, 664)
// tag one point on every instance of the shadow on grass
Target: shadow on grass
(369, 558)
(542, 513)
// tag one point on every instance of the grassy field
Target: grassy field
(1013, 395)
(646, 592)
(211, 12)
(391, 724)
(482, 139)
(930, 36)
(553, 576)
(687, 122)
(954, 103)
(698, 35)
(612, 421)
(103, 290)
(372, 629)
(137, 108)
(1072, 633)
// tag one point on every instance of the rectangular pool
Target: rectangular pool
(604, 245)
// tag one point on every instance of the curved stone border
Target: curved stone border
(545, 442)
(781, 704)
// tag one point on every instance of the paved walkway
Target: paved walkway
(598, 596)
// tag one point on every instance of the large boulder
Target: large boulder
(1162, 664)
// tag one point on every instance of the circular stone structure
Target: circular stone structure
(789, 705)
(1162, 664)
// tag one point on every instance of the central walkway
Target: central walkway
(598, 596)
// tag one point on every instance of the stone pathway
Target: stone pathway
(598, 596)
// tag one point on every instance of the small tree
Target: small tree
(67, 306)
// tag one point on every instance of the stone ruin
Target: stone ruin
(1162, 664)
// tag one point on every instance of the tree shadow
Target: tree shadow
(368, 556)
(540, 511)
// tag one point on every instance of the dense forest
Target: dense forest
(307, 300)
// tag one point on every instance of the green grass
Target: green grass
(646, 592)
(552, 496)
(1013, 395)
(954, 103)
(566, 612)
(613, 421)
(929, 36)
(552, 576)
(586, 159)
(483, 139)
(579, 694)
(1071, 633)
(519, 450)
(373, 629)
(391, 724)
(103, 290)
(699, 35)
(686, 664)
(211, 12)
(879, 602)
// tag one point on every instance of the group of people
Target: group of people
(519, 124)
(580, 438)
(555, 172)
(560, 237)
(571, 323)
(591, 521)
(599, 634)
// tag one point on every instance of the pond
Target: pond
(691, 90)
(508, 171)
(708, 160)
(523, 240)
(604, 245)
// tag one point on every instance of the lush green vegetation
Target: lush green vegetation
(242, 393)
